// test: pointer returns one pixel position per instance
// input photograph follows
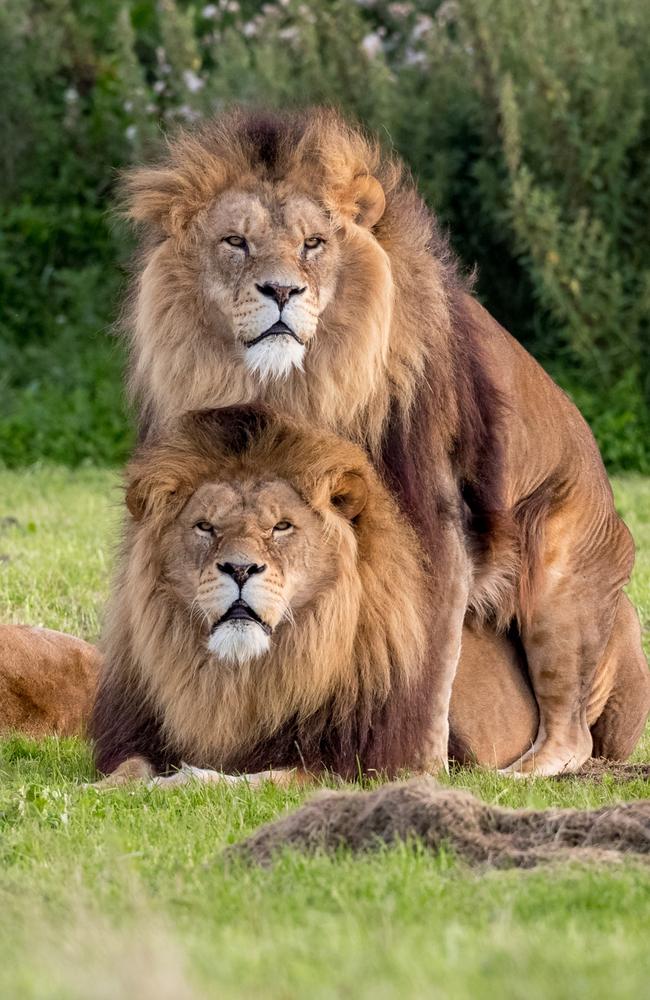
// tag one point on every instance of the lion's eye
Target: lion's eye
(236, 241)
(204, 527)
(312, 242)
(283, 526)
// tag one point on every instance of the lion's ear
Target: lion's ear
(370, 201)
(349, 495)
(150, 195)
(138, 497)
(155, 493)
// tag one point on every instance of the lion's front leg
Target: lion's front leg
(451, 590)
(139, 770)
(565, 635)
(188, 775)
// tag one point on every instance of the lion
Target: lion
(47, 681)
(269, 617)
(288, 260)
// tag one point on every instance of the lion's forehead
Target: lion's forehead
(247, 503)
(273, 214)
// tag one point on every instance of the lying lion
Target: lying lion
(289, 260)
(270, 613)
(47, 681)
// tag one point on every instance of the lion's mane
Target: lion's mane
(347, 687)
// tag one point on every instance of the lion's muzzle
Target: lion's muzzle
(240, 611)
(279, 329)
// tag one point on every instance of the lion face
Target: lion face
(264, 276)
(270, 265)
(247, 556)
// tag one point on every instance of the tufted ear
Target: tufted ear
(148, 194)
(349, 494)
(370, 201)
(155, 490)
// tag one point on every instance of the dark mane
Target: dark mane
(269, 135)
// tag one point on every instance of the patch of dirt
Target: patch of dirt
(442, 817)
(599, 768)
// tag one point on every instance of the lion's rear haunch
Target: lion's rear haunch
(346, 687)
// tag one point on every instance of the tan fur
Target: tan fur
(347, 598)
(184, 353)
(47, 681)
(357, 631)
(494, 715)
(400, 358)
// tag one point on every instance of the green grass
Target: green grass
(125, 894)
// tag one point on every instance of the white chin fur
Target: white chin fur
(238, 642)
(275, 357)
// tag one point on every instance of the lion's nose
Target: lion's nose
(240, 572)
(280, 293)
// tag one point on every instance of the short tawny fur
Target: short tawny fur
(47, 681)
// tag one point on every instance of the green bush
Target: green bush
(526, 127)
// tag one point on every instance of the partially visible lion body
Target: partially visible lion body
(495, 718)
(494, 466)
(346, 684)
(47, 681)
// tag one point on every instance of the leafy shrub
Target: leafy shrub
(526, 130)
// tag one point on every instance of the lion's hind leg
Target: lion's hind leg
(583, 567)
(618, 727)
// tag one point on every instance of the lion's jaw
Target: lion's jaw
(251, 613)
(271, 287)
(248, 577)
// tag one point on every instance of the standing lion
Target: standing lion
(287, 260)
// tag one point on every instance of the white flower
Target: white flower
(210, 10)
(423, 26)
(128, 106)
(447, 12)
(159, 86)
(131, 133)
(71, 96)
(188, 113)
(400, 9)
(249, 30)
(371, 44)
(412, 57)
(193, 82)
(289, 34)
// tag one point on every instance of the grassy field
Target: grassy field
(125, 894)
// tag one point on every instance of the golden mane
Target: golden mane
(323, 691)
(396, 297)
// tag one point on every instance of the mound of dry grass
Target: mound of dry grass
(443, 817)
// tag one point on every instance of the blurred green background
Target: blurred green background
(527, 126)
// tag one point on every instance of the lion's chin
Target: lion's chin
(239, 642)
(275, 357)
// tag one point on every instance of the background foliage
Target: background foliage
(527, 127)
